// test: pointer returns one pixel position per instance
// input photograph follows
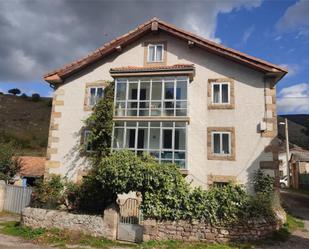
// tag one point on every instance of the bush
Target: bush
(14, 91)
(263, 183)
(24, 96)
(35, 97)
(49, 193)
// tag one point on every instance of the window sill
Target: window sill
(230, 157)
(220, 106)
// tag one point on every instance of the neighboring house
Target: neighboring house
(32, 170)
(184, 99)
(299, 164)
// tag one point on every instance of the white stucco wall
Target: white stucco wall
(249, 111)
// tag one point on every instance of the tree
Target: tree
(14, 91)
(10, 164)
(100, 123)
(35, 97)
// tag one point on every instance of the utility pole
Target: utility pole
(287, 150)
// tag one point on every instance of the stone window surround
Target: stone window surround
(210, 154)
(231, 105)
(211, 179)
(162, 63)
(99, 83)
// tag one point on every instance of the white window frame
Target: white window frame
(221, 145)
(155, 52)
(220, 93)
(96, 94)
(86, 141)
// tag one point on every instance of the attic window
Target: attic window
(155, 52)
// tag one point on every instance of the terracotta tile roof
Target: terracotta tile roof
(57, 76)
(175, 67)
(32, 166)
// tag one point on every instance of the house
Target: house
(32, 169)
(182, 98)
(299, 163)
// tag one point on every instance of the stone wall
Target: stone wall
(195, 231)
(105, 226)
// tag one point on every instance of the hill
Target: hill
(26, 122)
(298, 129)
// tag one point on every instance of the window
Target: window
(166, 96)
(166, 141)
(155, 53)
(220, 93)
(95, 94)
(221, 143)
(87, 144)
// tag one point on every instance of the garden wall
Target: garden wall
(94, 225)
(195, 231)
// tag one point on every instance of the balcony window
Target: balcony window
(151, 96)
(166, 141)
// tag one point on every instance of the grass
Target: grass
(61, 238)
(292, 224)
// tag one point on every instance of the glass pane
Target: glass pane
(154, 139)
(181, 90)
(169, 90)
(131, 112)
(133, 90)
(167, 155)
(143, 124)
(181, 104)
(132, 105)
(159, 53)
(167, 139)
(154, 124)
(155, 112)
(167, 124)
(100, 92)
(130, 138)
(181, 163)
(225, 93)
(120, 108)
(155, 154)
(143, 112)
(216, 143)
(181, 112)
(119, 124)
(225, 144)
(92, 91)
(144, 91)
(131, 124)
(151, 53)
(216, 93)
(180, 155)
(118, 137)
(156, 90)
(180, 139)
(169, 113)
(180, 124)
(121, 91)
(142, 138)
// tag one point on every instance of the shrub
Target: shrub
(10, 164)
(49, 193)
(263, 183)
(24, 96)
(14, 91)
(35, 97)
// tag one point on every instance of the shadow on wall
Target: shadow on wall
(76, 159)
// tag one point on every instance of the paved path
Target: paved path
(298, 205)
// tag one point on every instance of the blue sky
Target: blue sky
(277, 31)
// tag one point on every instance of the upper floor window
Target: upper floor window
(221, 94)
(221, 143)
(95, 94)
(88, 146)
(155, 52)
(166, 96)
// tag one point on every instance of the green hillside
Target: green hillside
(26, 122)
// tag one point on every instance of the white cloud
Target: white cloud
(278, 38)
(295, 18)
(203, 21)
(246, 35)
(294, 99)
(292, 68)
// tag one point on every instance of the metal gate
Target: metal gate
(16, 198)
(128, 226)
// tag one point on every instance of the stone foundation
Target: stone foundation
(196, 231)
(88, 224)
